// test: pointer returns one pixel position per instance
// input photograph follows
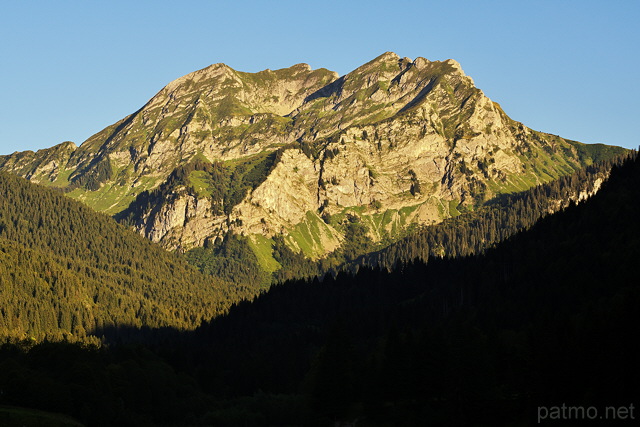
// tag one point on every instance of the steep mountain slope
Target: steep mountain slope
(67, 271)
(294, 152)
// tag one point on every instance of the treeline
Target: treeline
(67, 272)
(546, 318)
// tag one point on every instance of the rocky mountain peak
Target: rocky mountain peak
(420, 62)
(455, 64)
(212, 72)
(385, 57)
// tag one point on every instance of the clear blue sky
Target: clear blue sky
(71, 68)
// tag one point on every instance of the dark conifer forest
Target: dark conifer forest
(67, 272)
(479, 321)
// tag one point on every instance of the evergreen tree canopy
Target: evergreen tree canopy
(67, 271)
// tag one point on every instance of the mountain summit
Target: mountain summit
(303, 153)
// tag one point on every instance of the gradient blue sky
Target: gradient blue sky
(71, 68)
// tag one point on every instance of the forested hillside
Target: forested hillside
(69, 272)
(547, 317)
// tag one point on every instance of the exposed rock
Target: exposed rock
(283, 199)
(42, 166)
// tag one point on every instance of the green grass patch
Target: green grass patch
(442, 208)
(356, 209)
(109, 199)
(377, 219)
(200, 182)
(263, 248)
(248, 160)
(308, 235)
(282, 120)
(302, 239)
(453, 207)
(62, 180)
(387, 217)
(112, 198)
(337, 219)
(590, 153)
(407, 210)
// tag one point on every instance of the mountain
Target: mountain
(69, 272)
(293, 154)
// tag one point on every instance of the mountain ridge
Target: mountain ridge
(395, 142)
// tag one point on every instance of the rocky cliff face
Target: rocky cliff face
(294, 151)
